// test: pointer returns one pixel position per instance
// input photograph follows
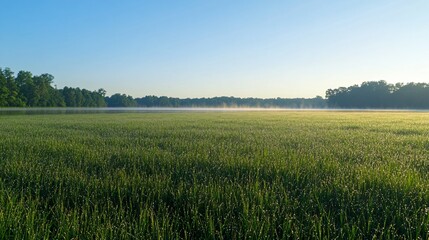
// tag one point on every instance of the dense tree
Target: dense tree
(26, 87)
(120, 100)
(380, 94)
(100, 98)
(411, 95)
(31, 90)
(4, 91)
(76, 97)
(37, 91)
(154, 101)
(9, 90)
(44, 94)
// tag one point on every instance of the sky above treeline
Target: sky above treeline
(217, 48)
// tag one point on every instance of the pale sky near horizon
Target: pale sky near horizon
(217, 48)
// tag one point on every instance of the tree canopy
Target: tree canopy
(380, 94)
(154, 101)
(28, 90)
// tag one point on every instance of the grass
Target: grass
(234, 175)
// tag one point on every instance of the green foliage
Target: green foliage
(154, 101)
(251, 175)
(380, 95)
(9, 91)
(120, 100)
(76, 97)
(37, 91)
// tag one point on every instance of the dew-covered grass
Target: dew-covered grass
(215, 175)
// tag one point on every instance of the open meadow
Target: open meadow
(215, 175)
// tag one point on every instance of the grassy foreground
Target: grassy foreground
(235, 175)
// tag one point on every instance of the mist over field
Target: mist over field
(214, 119)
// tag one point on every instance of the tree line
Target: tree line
(380, 94)
(27, 90)
(228, 102)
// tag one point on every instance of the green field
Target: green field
(215, 175)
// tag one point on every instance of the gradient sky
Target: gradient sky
(208, 48)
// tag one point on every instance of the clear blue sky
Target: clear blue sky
(217, 48)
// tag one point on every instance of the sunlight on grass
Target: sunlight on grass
(231, 175)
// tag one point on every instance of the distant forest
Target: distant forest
(380, 94)
(27, 90)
